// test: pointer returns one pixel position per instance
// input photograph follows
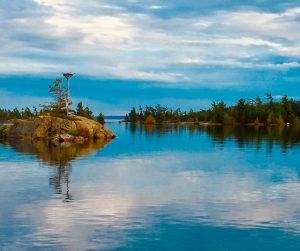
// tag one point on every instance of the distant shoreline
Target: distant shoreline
(202, 123)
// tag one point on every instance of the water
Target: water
(154, 188)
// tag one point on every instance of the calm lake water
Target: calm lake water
(154, 188)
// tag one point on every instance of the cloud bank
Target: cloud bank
(147, 40)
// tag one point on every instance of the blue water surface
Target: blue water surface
(157, 188)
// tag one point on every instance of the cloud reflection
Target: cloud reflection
(129, 193)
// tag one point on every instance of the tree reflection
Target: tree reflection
(243, 136)
(60, 178)
(158, 129)
(246, 136)
(59, 157)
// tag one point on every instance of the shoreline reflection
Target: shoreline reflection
(244, 136)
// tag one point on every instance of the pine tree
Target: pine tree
(133, 115)
(80, 109)
(101, 119)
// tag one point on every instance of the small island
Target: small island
(56, 122)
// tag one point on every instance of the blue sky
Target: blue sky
(125, 53)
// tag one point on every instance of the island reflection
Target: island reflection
(59, 156)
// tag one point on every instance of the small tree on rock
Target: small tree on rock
(101, 118)
(80, 109)
(84, 111)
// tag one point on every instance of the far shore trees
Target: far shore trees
(252, 112)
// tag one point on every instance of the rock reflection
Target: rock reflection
(58, 156)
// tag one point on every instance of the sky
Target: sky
(135, 52)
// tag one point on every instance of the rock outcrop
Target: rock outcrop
(57, 130)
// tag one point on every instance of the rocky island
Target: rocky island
(54, 129)
(56, 122)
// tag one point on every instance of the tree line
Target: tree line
(255, 112)
(57, 107)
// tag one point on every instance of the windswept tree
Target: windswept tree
(59, 95)
(60, 99)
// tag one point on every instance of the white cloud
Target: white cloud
(155, 7)
(106, 40)
(235, 63)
